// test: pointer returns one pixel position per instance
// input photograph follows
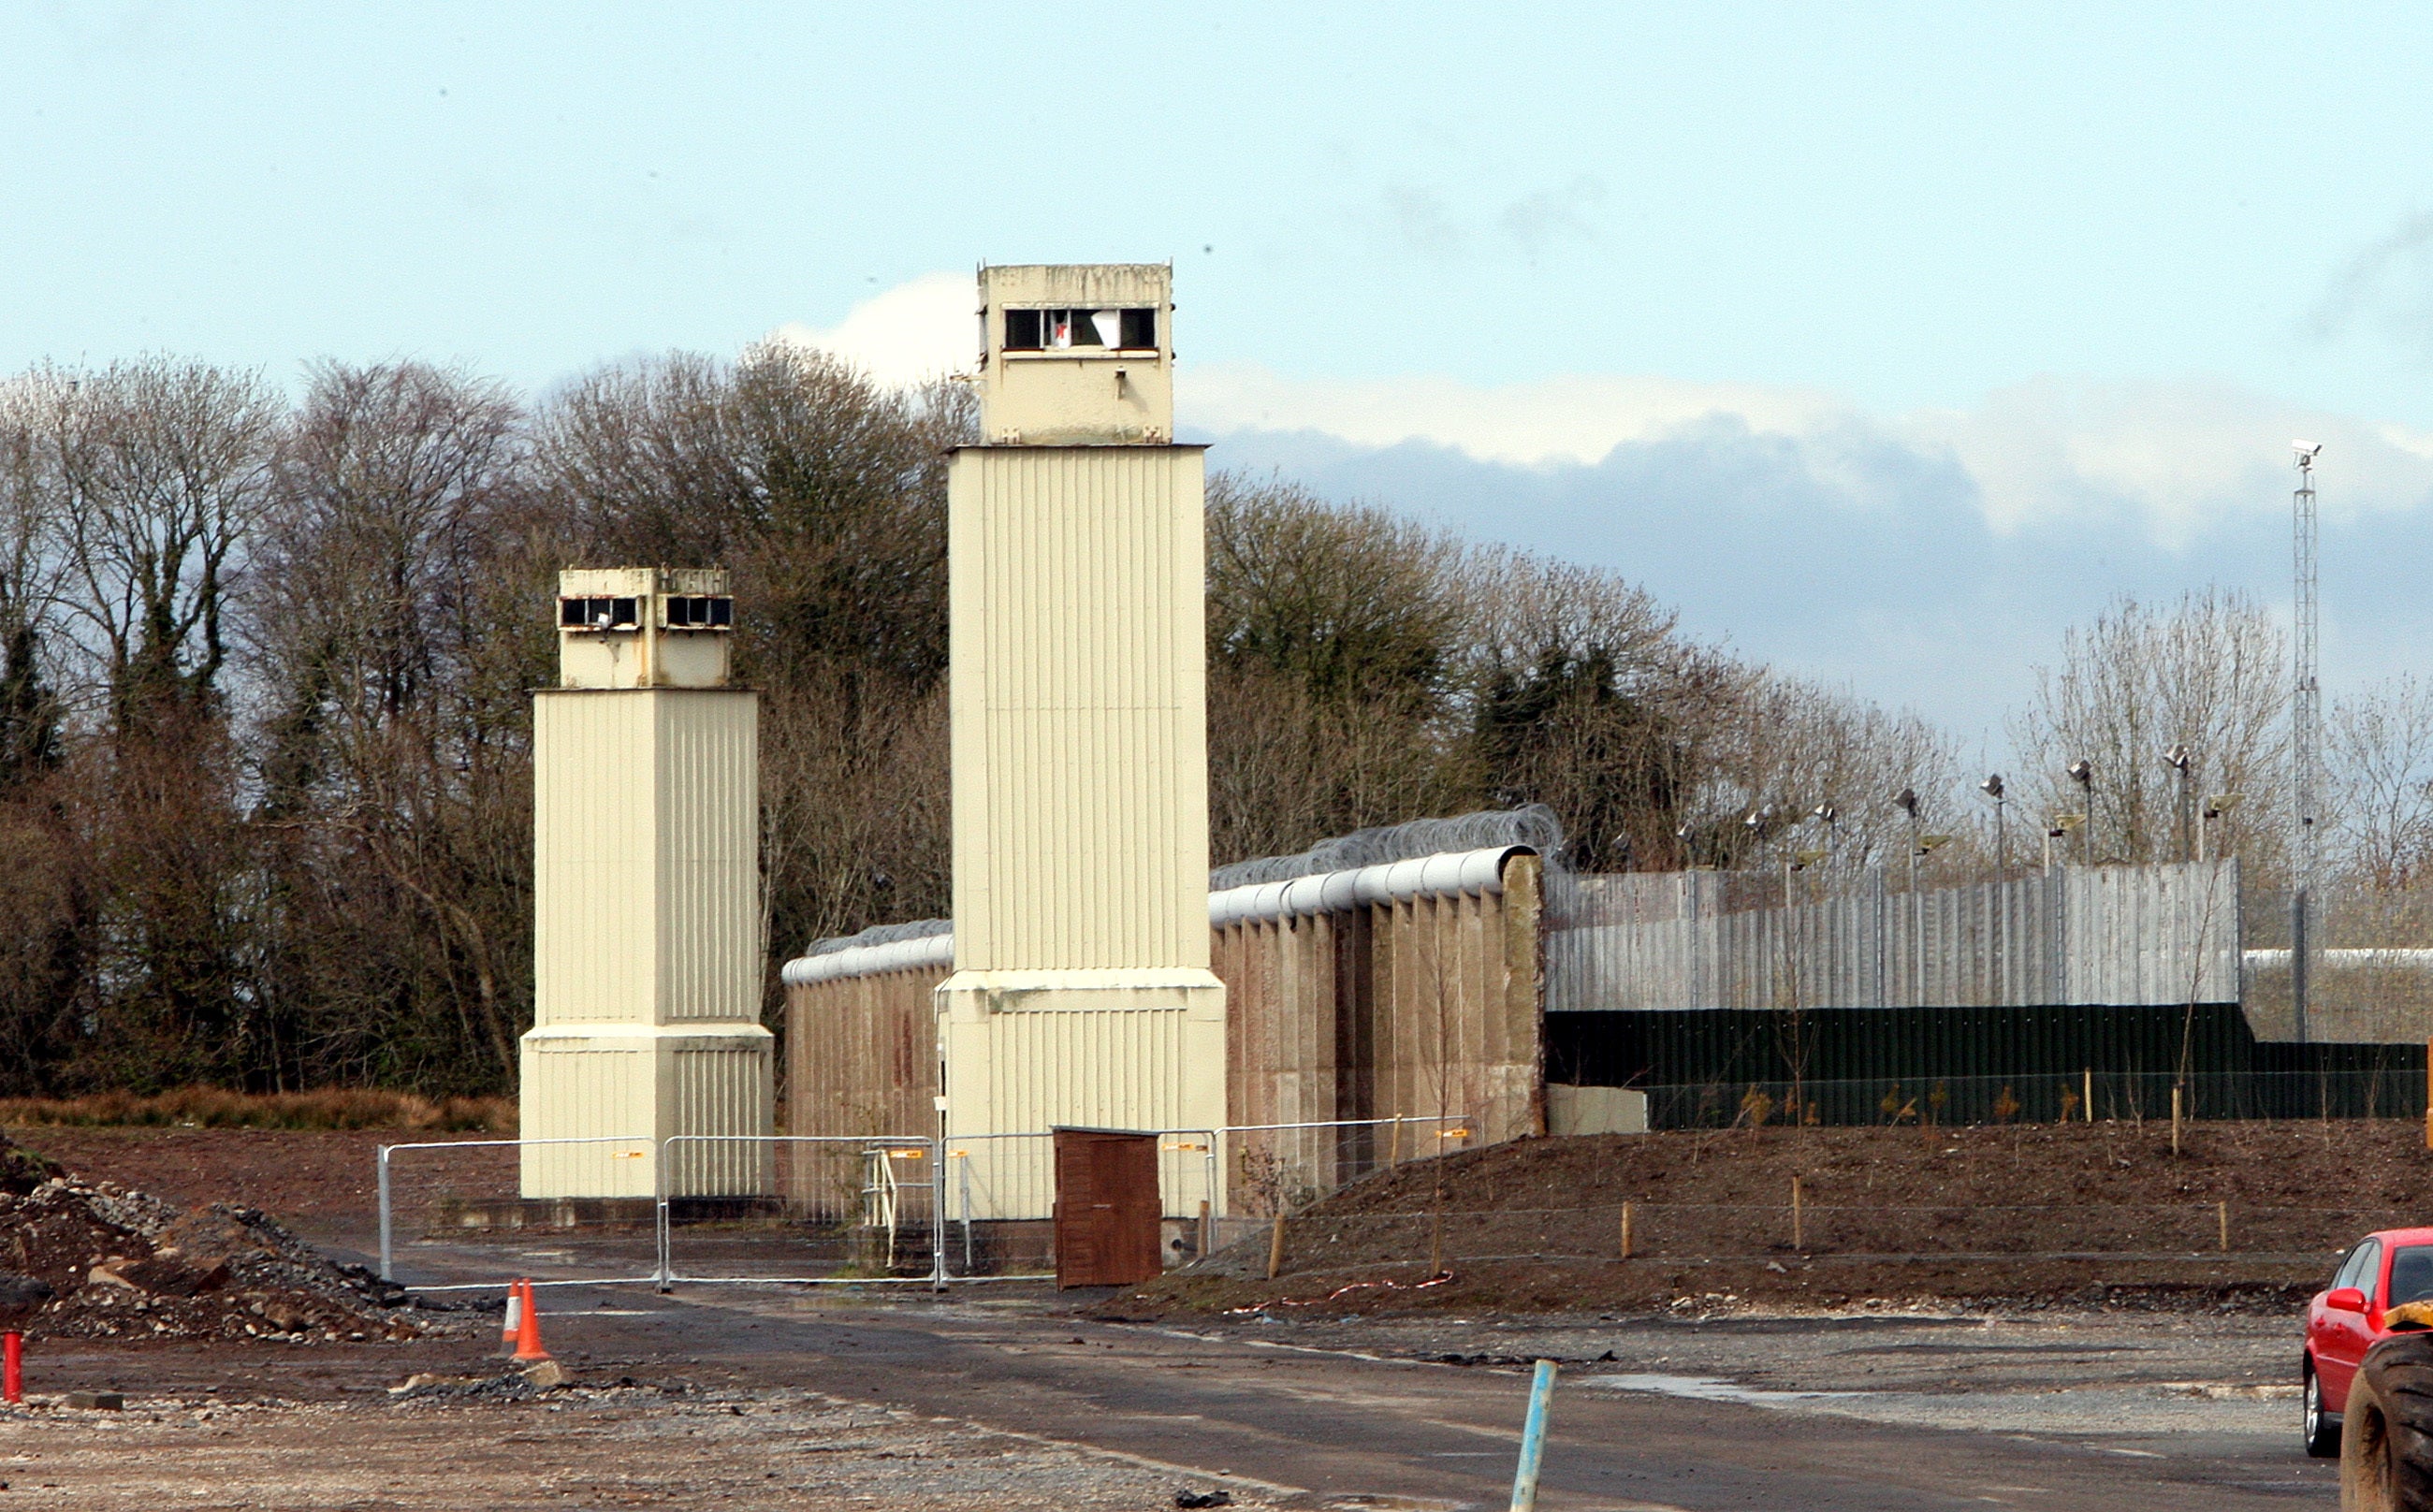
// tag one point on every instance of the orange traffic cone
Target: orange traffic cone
(527, 1347)
(515, 1314)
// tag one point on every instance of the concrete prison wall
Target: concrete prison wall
(1405, 990)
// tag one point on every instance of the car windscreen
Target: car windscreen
(2412, 1274)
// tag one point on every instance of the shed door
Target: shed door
(1107, 1208)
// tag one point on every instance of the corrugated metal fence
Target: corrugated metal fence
(2120, 936)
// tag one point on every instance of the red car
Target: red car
(2385, 1270)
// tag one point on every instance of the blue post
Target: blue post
(1533, 1440)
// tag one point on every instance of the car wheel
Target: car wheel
(2322, 1432)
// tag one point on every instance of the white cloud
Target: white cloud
(2170, 456)
(909, 334)
(1575, 418)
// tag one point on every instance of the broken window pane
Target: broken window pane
(1107, 325)
(624, 614)
(1140, 329)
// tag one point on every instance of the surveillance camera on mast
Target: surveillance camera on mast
(2306, 452)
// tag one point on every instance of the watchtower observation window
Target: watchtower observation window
(700, 612)
(600, 614)
(1116, 330)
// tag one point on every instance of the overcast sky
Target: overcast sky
(1884, 341)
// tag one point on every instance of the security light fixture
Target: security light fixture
(2083, 772)
(1907, 799)
(1992, 787)
(1826, 812)
(2178, 759)
(2216, 807)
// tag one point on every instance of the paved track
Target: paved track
(1340, 1426)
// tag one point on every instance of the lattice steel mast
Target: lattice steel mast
(2305, 740)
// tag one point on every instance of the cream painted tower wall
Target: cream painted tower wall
(1082, 994)
(647, 897)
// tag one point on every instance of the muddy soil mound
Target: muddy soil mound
(95, 1260)
(2243, 1217)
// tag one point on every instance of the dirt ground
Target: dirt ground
(319, 1183)
(774, 1406)
(593, 1447)
(2020, 1217)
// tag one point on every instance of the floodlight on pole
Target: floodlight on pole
(2182, 761)
(1992, 787)
(2216, 807)
(1906, 800)
(2083, 772)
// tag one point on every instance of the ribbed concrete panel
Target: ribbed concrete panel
(606, 1095)
(708, 793)
(719, 1091)
(595, 857)
(1078, 708)
(861, 1054)
(2116, 936)
(647, 953)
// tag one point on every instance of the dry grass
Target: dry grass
(218, 1108)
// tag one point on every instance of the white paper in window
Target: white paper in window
(1109, 325)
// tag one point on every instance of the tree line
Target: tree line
(265, 660)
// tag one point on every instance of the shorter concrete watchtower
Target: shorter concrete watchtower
(646, 889)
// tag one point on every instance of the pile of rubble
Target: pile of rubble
(95, 1259)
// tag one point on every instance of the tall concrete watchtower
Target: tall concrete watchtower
(1082, 994)
(646, 888)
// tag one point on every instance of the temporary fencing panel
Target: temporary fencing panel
(457, 1208)
(839, 1209)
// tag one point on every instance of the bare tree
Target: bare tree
(2209, 673)
(164, 467)
(2382, 783)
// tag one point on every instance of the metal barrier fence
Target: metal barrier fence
(1272, 1168)
(803, 1210)
(472, 1190)
(2089, 1095)
(830, 1210)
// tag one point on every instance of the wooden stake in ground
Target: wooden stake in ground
(1626, 1230)
(2089, 1086)
(1797, 1236)
(2175, 1121)
(1276, 1246)
(2221, 1211)
(1393, 1142)
(1207, 1228)
(1436, 1245)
